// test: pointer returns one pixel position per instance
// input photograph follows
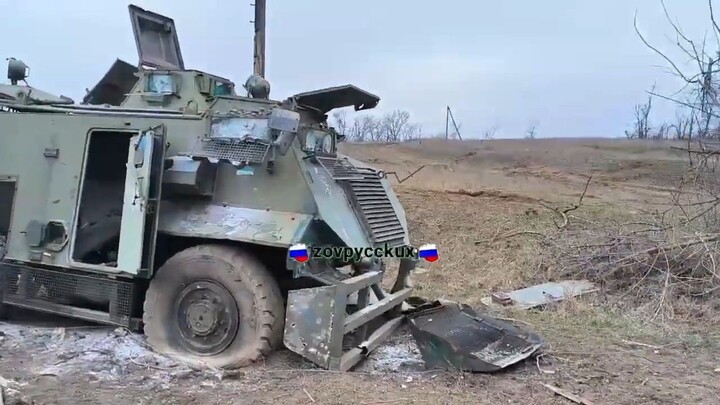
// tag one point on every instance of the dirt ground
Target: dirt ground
(605, 354)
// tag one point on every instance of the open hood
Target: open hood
(331, 98)
(156, 40)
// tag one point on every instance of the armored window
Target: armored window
(240, 128)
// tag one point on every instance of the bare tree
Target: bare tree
(340, 122)
(700, 86)
(684, 125)
(363, 129)
(396, 126)
(392, 127)
(490, 133)
(699, 190)
(641, 125)
(662, 132)
(531, 132)
(415, 134)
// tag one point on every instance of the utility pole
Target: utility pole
(449, 117)
(259, 22)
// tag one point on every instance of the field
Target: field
(495, 209)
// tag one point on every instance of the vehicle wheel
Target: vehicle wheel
(214, 305)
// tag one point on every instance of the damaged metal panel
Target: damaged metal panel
(317, 323)
(206, 220)
(541, 294)
(114, 86)
(254, 127)
(339, 168)
(454, 336)
(331, 98)
(309, 323)
(240, 137)
(332, 204)
(186, 176)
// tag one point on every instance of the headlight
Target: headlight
(318, 141)
(327, 144)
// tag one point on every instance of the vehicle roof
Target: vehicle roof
(99, 110)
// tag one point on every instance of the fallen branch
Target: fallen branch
(563, 213)
(508, 236)
(493, 194)
(567, 395)
(537, 363)
(308, 395)
(631, 343)
(668, 247)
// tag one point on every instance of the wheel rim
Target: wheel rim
(207, 317)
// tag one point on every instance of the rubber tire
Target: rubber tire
(260, 304)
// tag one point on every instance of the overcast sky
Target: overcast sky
(575, 68)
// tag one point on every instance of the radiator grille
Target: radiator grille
(375, 209)
(235, 151)
(339, 169)
(25, 285)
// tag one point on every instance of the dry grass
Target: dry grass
(506, 237)
(458, 225)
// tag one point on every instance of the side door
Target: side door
(8, 186)
(143, 183)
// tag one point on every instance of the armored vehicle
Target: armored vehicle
(167, 202)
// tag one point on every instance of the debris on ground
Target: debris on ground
(454, 336)
(568, 395)
(10, 392)
(541, 294)
(397, 354)
(102, 353)
(117, 355)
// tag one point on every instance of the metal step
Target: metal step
(331, 276)
(364, 315)
(349, 283)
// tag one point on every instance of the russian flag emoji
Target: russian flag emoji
(428, 252)
(299, 252)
